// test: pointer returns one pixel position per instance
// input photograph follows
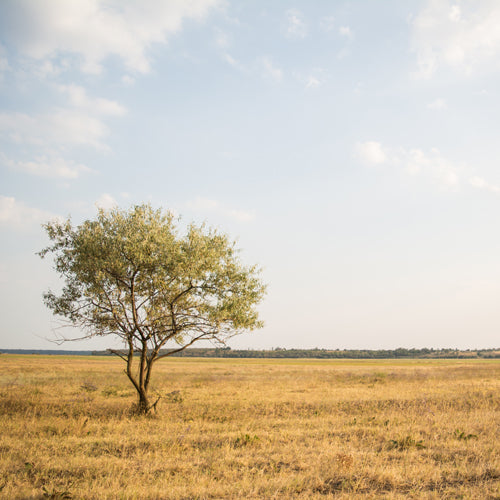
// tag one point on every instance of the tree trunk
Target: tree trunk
(143, 406)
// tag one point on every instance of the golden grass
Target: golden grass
(250, 429)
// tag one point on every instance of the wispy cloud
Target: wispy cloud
(312, 82)
(345, 31)
(295, 25)
(16, 215)
(79, 99)
(480, 183)
(235, 63)
(270, 70)
(205, 205)
(431, 165)
(202, 204)
(48, 136)
(263, 67)
(313, 79)
(45, 166)
(415, 162)
(462, 36)
(57, 128)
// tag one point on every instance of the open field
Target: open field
(250, 429)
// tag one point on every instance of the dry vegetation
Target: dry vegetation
(250, 429)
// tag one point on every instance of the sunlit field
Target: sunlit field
(250, 429)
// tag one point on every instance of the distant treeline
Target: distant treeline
(46, 351)
(278, 352)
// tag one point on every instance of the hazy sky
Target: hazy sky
(351, 147)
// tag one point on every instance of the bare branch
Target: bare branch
(117, 353)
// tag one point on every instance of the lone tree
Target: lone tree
(129, 273)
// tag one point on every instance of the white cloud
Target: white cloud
(270, 70)
(480, 183)
(371, 152)
(78, 98)
(432, 165)
(106, 201)
(413, 161)
(44, 166)
(235, 63)
(60, 127)
(79, 123)
(312, 82)
(262, 66)
(463, 36)
(46, 39)
(92, 31)
(345, 31)
(200, 204)
(437, 104)
(241, 215)
(295, 27)
(17, 215)
(231, 60)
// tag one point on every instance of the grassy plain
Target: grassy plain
(250, 429)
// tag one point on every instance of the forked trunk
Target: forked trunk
(141, 380)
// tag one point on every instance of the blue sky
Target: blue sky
(350, 147)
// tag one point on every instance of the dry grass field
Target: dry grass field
(250, 429)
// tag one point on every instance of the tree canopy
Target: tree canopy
(131, 273)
